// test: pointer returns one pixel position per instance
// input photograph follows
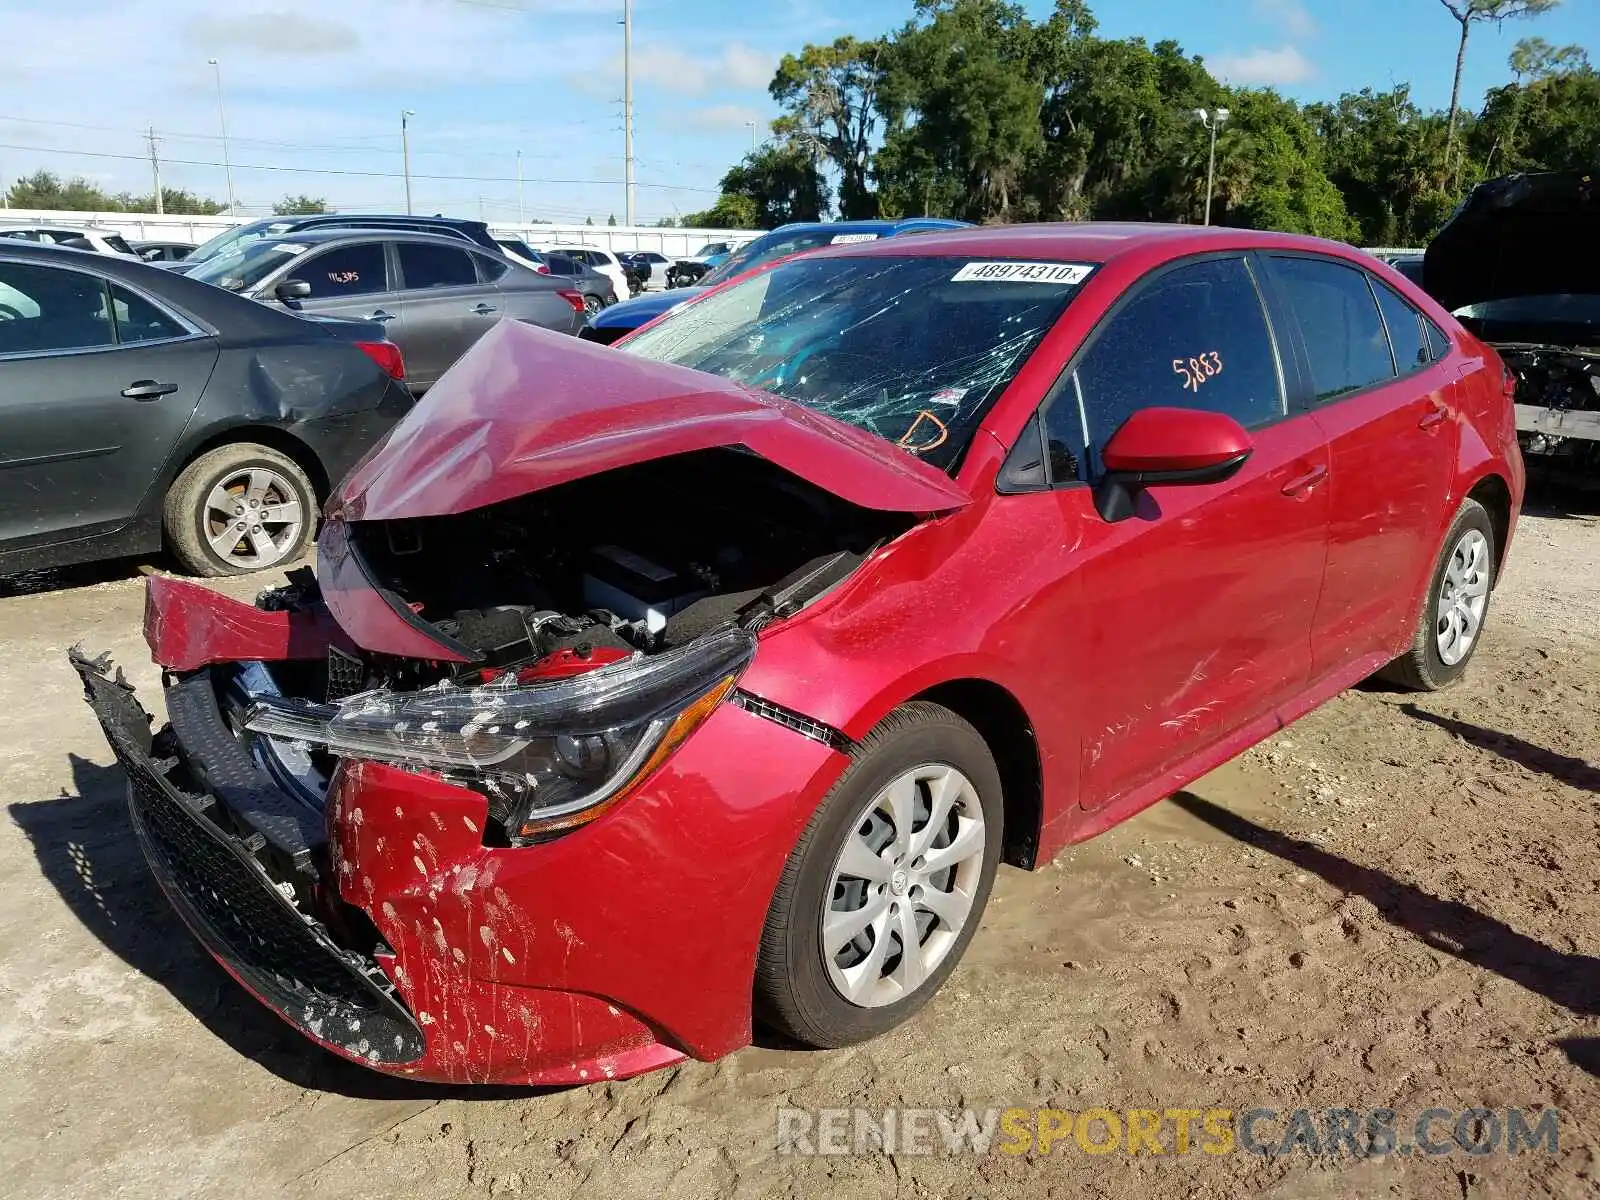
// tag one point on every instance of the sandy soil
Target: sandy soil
(1394, 903)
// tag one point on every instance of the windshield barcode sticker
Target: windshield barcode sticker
(846, 239)
(1022, 272)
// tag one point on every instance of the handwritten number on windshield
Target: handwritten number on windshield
(1198, 370)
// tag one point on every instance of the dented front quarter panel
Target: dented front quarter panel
(614, 949)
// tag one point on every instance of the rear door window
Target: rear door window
(1404, 324)
(138, 320)
(1344, 337)
(1192, 337)
(424, 266)
(355, 270)
(49, 310)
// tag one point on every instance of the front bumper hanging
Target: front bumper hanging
(216, 860)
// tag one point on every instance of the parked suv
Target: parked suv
(233, 240)
(435, 295)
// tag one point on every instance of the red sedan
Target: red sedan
(647, 692)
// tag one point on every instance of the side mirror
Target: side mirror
(292, 289)
(1167, 446)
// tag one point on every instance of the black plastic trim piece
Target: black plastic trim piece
(798, 722)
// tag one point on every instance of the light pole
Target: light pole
(1213, 121)
(405, 152)
(752, 125)
(222, 119)
(522, 209)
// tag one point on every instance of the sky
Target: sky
(312, 90)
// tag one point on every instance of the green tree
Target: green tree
(1386, 157)
(961, 109)
(729, 212)
(1550, 123)
(772, 186)
(1469, 13)
(612, 220)
(46, 190)
(300, 206)
(1537, 59)
(829, 97)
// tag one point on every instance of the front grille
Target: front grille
(226, 897)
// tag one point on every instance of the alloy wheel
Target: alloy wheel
(252, 518)
(902, 888)
(1463, 596)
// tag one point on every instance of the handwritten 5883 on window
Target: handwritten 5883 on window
(1198, 370)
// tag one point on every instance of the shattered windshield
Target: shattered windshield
(911, 349)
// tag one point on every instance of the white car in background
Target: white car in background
(601, 260)
(101, 241)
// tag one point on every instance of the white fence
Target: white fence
(174, 228)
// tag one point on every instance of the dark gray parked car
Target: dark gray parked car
(139, 407)
(435, 295)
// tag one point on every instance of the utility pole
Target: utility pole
(522, 209)
(405, 152)
(627, 108)
(222, 119)
(155, 170)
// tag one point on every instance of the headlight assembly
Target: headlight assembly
(550, 756)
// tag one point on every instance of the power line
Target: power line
(185, 162)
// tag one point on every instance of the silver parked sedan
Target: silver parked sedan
(435, 295)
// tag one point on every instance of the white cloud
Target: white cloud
(274, 33)
(737, 67)
(1289, 15)
(726, 116)
(1268, 68)
(744, 67)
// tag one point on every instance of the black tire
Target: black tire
(592, 304)
(1421, 668)
(185, 517)
(793, 993)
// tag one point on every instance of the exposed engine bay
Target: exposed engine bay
(651, 570)
(1560, 381)
(642, 559)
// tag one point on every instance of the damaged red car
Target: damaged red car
(644, 693)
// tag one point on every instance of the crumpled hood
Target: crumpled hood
(1521, 235)
(527, 409)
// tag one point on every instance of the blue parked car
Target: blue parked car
(612, 323)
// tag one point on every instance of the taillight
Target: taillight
(573, 298)
(1508, 384)
(387, 356)
(542, 269)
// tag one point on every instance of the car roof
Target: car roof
(322, 237)
(1086, 241)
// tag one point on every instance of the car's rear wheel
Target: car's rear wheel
(240, 508)
(1455, 608)
(592, 304)
(887, 885)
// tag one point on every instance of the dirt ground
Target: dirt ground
(1394, 903)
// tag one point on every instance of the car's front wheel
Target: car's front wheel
(240, 508)
(1455, 607)
(592, 304)
(887, 885)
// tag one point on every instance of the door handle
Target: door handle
(483, 310)
(1434, 417)
(1304, 485)
(380, 315)
(148, 389)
